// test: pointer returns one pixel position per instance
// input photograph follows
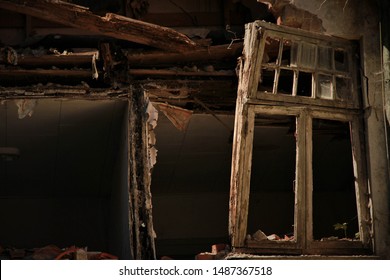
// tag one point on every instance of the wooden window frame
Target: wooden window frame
(251, 102)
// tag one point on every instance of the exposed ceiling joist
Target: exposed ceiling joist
(111, 25)
(209, 54)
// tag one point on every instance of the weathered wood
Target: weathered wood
(361, 187)
(23, 73)
(111, 25)
(140, 211)
(338, 247)
(308, 187)
(210, 54)
(242, 139)
(250, 101)
(181, 20)
(220, 94)
(268, 244)
(169, 72)
(301, 166)
(256, 249)
(260, 96)
(281, 256)
(30, 60)
(60, 90)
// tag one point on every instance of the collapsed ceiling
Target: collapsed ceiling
(102, 55)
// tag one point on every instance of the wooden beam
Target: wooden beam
(111, 25)
(56, 60)
(210, 54)
(23, 73)
(169, 72)
(243, 138)
(139, 175)
(54, 90)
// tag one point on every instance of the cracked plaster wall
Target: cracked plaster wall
(342, 18)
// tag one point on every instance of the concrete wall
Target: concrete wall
(340, 18)
(32, 222)
(118, 228)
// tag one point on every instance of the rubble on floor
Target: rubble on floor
(218, 252)
(261, 236)
(52, 252)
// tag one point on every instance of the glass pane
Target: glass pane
(324, 86)
(308, 56)
(290, 53)
(294, 54)
(271, 50)
(343, 88)
(304, 87)
(341, 60)
(271, 205)
(267, 80)
(334, 199)
(286, 80)
(325, 58)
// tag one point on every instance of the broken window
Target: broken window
(274, 139)
(309, 67)
(333, 182)
(298, 173)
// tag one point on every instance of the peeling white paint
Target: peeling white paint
(25, 107)
(152, 123)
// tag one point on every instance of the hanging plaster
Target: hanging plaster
(152, 123)
(179, 117)
(95, 74)
(25, 107)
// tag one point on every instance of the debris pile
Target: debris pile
(218, 252)
(261, 236)
(53, 252)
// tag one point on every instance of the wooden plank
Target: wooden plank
(299, 34)
(308, 217)
(361, 187)
(210, 54)
(168, 72)
(341, 244)
(140, 210)
(282, 256)
(221, 94)
(301, 99)
(111, 25)
(181, 19)
(83, 58)
(243, 138)
(300, 181)
(23, 73)
(61, 90)
(254, 250)
(338, 247)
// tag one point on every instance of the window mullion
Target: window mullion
(309, 179)
(300, 184)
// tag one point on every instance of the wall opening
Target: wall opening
(190, 185)
(69, 184)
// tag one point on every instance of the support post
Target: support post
(140, 200)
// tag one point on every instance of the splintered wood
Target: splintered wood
(112, 25)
